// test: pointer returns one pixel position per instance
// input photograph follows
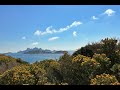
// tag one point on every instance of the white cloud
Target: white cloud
(75, 23)
(94, 18)
(24, 37)
(74, 33)
(35, 43)
(37, 33)
(50, 30)
(53, 38)
(109, 12)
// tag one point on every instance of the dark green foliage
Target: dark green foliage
(84, 51)
(118, 45)
(116, 71)
(19, 60)
(89, 50)
(65, 67)
(109, 47)
(52, 68)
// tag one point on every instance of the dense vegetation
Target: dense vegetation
(95, 64)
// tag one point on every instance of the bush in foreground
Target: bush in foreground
(104, 79)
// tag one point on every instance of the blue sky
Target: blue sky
(60, 27)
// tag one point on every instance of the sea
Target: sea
(31, 58)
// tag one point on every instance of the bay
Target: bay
(31, 58)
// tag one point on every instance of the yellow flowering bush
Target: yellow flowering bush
(22, 75)
(79, 58)
(85, 62)
(104, 79)
(83, 69)
(90, 65)
(101, 58)
(17, 76)
(104, 63)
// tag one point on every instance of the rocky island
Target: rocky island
(41, 51)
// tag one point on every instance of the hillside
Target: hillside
(7, 62)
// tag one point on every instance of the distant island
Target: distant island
(41, 51)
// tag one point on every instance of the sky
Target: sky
(56, 27)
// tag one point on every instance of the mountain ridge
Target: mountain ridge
(36, 50)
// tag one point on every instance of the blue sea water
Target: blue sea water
(34, 57)
(31, 58)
